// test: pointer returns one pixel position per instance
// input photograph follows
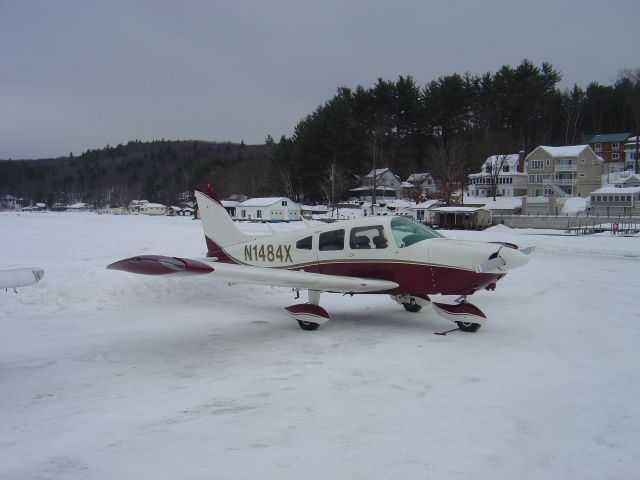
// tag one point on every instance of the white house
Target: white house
(386, 183)
(77, 207)
(271, 209)
(147, 208)
(630, 154)
(510, 181)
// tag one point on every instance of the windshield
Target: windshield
(407, 232)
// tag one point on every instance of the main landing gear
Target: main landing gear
(309, 315)
(466, 316)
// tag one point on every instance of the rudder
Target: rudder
(219, 229)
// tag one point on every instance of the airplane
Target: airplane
(20, 277)
(391, 255)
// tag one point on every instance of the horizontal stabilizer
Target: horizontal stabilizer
(160, 265)
(20, 277)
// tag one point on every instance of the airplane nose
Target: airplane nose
(512, 258)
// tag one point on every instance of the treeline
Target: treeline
(447, 127)
(157, 171)
(414, 128)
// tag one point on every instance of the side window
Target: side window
(333, 240)
(304, 244)
(367, 237)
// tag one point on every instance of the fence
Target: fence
(562, 222)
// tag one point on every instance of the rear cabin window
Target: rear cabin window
(367, 237)
(407, 232)
(304, 244)
(333, 240)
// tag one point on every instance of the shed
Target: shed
(421, 211)
(466, 218)
(270, 209)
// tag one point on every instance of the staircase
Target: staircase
(555, 189)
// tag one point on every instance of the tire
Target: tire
(308, 325)
(468, 327)
(412, 307)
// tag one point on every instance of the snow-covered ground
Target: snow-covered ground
(107, 375)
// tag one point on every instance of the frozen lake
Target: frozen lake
(108, 375)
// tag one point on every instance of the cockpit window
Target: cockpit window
(407, 232)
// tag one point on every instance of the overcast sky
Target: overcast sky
(83, 74)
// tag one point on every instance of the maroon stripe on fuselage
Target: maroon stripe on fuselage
(412, 277)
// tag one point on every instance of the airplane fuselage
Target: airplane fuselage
(415, 257)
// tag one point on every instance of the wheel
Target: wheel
(308, 325)
(412, 307)
(468, 326)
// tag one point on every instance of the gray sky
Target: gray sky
(83, 74)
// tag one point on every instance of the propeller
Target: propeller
(489, 265)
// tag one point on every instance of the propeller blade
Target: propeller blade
(527, 250)
(490, 265)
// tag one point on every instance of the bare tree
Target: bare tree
(493, 168)
(287, 184)
(572, 104)
(334, 185)
(446, 160)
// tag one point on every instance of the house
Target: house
(38, 207)
(506, 173)
(611, 148)
(573, 171)
(272, 209)
(615, 201)
(77, 207)
(173, 210)
(387, 185)
(631, 150)
(146, 208)
(230, 206)
(624, 179)
(422, 184)
(9, 202)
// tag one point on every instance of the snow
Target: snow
(573, 205)
(106, 375)
(565, 151)
(500, 203)
(262, 202)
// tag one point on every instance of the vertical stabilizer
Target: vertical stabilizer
(219, 229)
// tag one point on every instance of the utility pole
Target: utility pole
(635, 163)
(375, 177)
(333, 185)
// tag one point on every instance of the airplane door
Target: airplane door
(330, 247)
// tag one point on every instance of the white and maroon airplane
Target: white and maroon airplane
(373, 255)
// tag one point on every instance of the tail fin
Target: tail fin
(219, 229)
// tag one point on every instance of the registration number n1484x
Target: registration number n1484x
(268, 253)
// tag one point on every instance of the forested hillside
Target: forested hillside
(156, 171)
(451, 124)
(447, 127)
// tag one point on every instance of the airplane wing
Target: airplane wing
(20, 277)
(161, 265)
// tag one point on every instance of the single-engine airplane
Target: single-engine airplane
(371, 255)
